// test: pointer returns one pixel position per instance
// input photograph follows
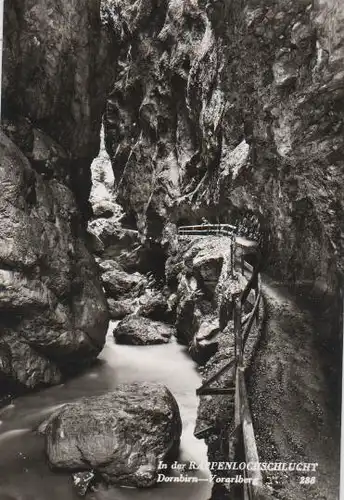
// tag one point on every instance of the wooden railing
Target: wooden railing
(253, 488)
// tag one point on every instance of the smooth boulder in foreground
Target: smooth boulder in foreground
(120, 435)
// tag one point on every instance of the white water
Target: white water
(24, 474)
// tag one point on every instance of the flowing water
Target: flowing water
(24, 474)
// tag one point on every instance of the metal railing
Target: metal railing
(253, 488)
(208, 229)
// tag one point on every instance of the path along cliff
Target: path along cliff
(295, 392)
(293, 383)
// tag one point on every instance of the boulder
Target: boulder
(105, 209)
(120, 435)
(153, 305)
(117, 283)
(82, 482)
(208, 329)
(94, 243)
(207, 268)
(201, 353)
(204, 344)
(118, 309)
(137, 330)
(108, 265)
(173, 267)
(113, 236)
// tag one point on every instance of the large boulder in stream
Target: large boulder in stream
(120, 435)
(115, 238)
(117, 283)
(137, 330)
(152, 304)
(119, 309)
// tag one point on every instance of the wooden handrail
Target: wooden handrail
(252, 282)
(250, 446)
(203, 226)
(242, 414)
(252, 317)
(214, 377)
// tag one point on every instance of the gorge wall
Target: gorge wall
(214, 109)
(53, 314)
(223, 108)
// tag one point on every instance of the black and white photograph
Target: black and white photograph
(171, 249)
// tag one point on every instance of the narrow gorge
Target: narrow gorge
(123, 120)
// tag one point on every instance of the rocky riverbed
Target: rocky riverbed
(24, 471)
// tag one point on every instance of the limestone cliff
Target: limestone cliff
(216, 109)
(55, 76)
(223, 108)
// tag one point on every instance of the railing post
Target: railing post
(235, 321)
(257, 310)
(237, 403)
(247, 493)
(250, 446)
(238, 332)
(232, 255)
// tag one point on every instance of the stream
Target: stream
(24, 474)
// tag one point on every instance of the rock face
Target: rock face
(198, 272)
(102, 196)
(53, 312)
(53, 54)
(121, 435)
(52, 307)
(136, 330)
(188, 315)
(221, 108)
